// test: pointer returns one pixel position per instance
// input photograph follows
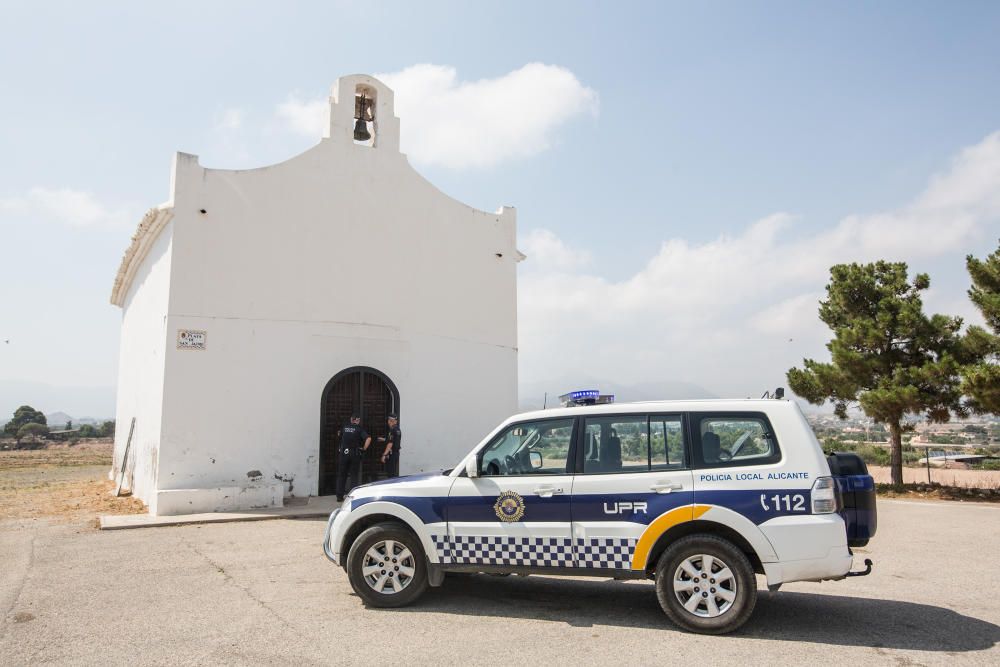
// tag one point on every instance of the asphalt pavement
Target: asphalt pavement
(262, 592)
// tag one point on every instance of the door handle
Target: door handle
(547, 491)
(666, 487)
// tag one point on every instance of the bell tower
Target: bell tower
(362, 113)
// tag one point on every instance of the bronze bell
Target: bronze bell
(361, 132)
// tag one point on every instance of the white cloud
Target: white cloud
(734, 313)
(76, 208)
(790, 317)
(230, 119)
(456, 124)
(303, 116)
(547, 250)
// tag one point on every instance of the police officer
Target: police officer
(349, 454)
(390, 456)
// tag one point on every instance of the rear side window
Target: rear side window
(734, 440)
(632, 443)
(666, 442)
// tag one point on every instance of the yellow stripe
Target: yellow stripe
(660, 525)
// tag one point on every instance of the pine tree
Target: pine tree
(886, 355)
(24, 415)
(981, 383)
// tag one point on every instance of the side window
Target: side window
(632, 443)
(531, 448)
(615, 444)
(736, 440)
(666, 442)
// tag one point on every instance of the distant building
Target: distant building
(260, 307)
(62, 434)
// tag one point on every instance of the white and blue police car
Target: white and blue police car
(695, 495)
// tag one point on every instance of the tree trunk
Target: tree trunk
(896, 453)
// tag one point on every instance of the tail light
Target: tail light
(824, 496)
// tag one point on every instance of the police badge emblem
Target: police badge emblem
(509, 506)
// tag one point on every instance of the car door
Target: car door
(517, 511)
(633, 482)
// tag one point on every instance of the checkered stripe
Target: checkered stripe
(600, 552)
(605, 552)
(496, 550)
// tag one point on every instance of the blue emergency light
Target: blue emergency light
(586, 397)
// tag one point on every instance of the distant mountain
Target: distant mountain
(58, 419)
(55, 400)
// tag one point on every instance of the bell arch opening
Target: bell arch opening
(373, 395)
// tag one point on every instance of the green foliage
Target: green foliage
(887, 356)
(871, 454)
(23, 415)
(89, 431)
(107, 429)
(32, 429)
(981, 383)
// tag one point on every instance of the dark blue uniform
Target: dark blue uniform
(392, 461)
(352, 441)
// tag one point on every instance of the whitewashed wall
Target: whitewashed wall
(342, 256)
(141, 367)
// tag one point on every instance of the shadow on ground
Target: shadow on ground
(797, 617)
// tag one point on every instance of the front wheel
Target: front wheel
(387, 566)
(706, 584)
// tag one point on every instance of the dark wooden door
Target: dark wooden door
(369, 393)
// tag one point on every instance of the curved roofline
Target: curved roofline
(324, 141)
(145, 236)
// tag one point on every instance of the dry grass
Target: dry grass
(957, 477)
(61, 482)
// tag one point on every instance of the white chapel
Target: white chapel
(261, 307)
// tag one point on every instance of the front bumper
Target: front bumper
(328, 535)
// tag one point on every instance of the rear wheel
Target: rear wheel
(387, 566)
(706, 584)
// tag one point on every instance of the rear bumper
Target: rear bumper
(810, 547)
(835, 565)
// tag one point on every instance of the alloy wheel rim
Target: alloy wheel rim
(705, 586)
(388, 567)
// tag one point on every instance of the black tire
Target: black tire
(356, 561)
(742, 582)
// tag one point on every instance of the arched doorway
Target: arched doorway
(373, 395)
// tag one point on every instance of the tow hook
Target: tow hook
(865, 572)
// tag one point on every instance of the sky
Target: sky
(684, 174)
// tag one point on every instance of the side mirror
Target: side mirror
(472, 467)
(535, 458)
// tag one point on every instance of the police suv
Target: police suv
(696, 495)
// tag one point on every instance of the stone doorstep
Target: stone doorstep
(314, 507)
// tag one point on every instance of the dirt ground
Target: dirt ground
(67, 483)
(262, 593)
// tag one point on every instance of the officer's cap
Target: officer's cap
(393, 415)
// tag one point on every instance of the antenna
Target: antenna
(545, 401)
